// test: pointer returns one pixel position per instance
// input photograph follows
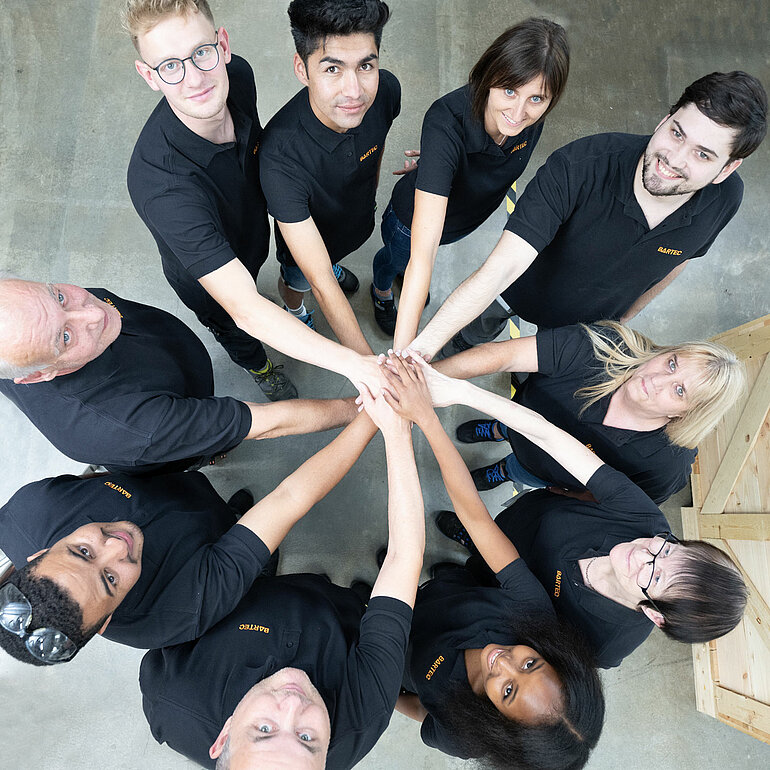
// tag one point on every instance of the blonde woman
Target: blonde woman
(640, 406)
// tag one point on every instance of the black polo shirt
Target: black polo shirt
(197, 562)
(309, 170)
(452, 614)
(354, 658)
(552, 533)
(202, 201)
(145, 405)
(596, 254)
(566, 362)
(459, 160)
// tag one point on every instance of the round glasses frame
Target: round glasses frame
(667, 538)
(207, 48)
(48, 645)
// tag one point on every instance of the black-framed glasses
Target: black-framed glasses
(645, 576)
(204, 57)
(48, 645)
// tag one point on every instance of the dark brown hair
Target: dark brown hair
(528, 50)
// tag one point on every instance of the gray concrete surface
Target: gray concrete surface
(71, 107)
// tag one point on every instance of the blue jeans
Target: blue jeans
(516, 471)
(393, 257)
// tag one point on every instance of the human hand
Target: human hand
(444, 391)
(382, 414)
(407, 392)
(410, 164)
(366, 374)
(419, 345)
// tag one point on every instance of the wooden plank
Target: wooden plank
(731, 526)
(742, 442)
(750, 340)
(705, 687)
(757, 610)
(752, 715)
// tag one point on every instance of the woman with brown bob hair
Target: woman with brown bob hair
(476, 142)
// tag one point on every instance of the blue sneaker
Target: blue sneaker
(474, 431)
(347, 281)
(489, 477)
(306, 319)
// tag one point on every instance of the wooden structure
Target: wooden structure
(731, 508)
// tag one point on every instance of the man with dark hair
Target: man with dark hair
(321, 155)
(610, 220)
(300, 674)
(115, 383)
(146, 562)
(194, 180)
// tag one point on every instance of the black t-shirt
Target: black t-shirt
(354, 658)
(145, 405)
(596, 254)
(566, 362)
(452, 614)
(202, 201)
(552, 533)
(309, 170)
(460, 161)
(196, 564)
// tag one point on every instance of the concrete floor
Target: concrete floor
(72, 107)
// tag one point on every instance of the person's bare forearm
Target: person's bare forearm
(273, 516)
(338, 312)
(400, 572)
(298, 416)
(517, 355)
(409, 705)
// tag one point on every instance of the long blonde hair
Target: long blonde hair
(622, 350)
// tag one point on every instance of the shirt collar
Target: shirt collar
(329, 139)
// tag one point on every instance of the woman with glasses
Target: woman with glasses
(610, 564)
(476, 142)
(490, 673)
(640, 406)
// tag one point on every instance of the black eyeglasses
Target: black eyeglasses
(48, 645)
(643, 579)
(204, 57)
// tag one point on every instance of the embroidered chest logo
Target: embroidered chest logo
(436, 663)
(557, 585)
(252, 627)
(673, 252)
(256, 147)
(369, 152)
(117, 489)
(589, 445)
(519, 147)
(110, 302)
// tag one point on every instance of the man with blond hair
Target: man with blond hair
(194, 180)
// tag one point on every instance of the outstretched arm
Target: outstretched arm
(519, 355)
(234, 289)
(274, 515)
(408, 395)
(299, 416)
(570, 453)
(509, 259)
(400, 572)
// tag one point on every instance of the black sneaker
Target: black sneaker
(241, 501)
(456, 345)
(274, 383)
(473, 431)
(384, 312)
(489, 477)
(347, 281)
(449, 525)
